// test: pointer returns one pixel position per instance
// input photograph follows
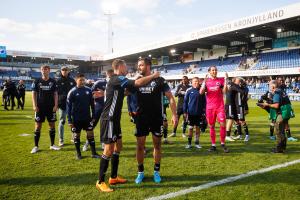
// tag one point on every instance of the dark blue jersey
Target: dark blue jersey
(80, 104)
(99, 85)
(132, 102)
(194, 102)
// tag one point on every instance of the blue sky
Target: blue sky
(80, 27)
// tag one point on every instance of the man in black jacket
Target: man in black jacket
(64, 84)
(21, 94)
(180, 92)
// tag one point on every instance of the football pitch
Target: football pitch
(58, 175)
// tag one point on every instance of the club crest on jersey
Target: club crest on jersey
(87, 92)
(153, 84)
(50, 84)
(218, 83)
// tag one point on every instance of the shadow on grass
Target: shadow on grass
(289, 176)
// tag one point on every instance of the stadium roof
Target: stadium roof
(263, 24)
(46, 55)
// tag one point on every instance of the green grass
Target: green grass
(57, 175)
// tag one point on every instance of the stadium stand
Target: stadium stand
(268, 60)
(281, 59)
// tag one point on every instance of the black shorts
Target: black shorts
(194, 120)
(41, 115)
(110, 131)
(231, 112)
(145, 125)
(86, 125)
(179, 111)
(241, 113)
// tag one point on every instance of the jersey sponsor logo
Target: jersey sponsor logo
(146, 90)
(45, 87)
(214, 88)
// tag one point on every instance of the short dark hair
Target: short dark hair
(146, 60)
(185, 77)
(45, 66)
(195, 78)
(212, 67)
(117, 62)
(79, 75)
(109, 72)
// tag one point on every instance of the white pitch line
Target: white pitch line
(223, 181)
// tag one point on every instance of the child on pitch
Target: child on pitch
(194, 108)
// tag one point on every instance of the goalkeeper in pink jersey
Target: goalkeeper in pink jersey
(215, 88)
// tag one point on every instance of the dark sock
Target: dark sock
(239, 129)
(197, 141)
(93, 146)
(174, 129)
(103, 167)
(245, 126)
(228, 133)
(114, 165)
(271, 130)
(52, 136)
(165, 132)
(189, 140)
(288, 133)
(77, 145)
(184, 127)
(37, 135)
(141, 167)
(157, 167)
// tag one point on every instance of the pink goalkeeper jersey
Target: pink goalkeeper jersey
(214, 94)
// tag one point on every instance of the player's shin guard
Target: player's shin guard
(245, 126)
(222, 134)
(52, 135)
(212, 132)
(103, 167)
(37, 135)
(114, 165)
(92, 144)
